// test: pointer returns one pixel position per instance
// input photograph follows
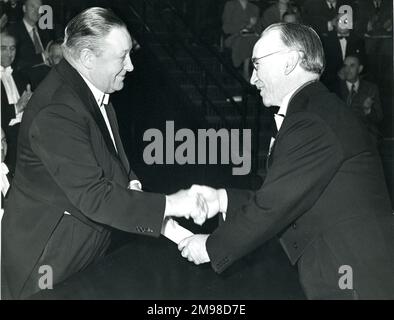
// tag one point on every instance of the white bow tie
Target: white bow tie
(6, 71)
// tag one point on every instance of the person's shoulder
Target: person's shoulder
(370, 86)
(315, 99)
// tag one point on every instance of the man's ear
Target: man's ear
(360, 68)
(87, 58)
(291, 62)
(24, 8)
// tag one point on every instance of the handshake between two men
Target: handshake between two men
(199, 203)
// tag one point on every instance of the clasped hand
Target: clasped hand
(200, 203)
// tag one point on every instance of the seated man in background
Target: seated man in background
(37, 73)
(360, 95)
(55, 52)
(15, 94)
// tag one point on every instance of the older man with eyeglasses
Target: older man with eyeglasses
(324, 196)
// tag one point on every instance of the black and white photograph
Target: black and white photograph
(205, 153)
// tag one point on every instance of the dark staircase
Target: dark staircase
(203, 73)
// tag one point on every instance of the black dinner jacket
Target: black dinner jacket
(323, 169)
(66, 161)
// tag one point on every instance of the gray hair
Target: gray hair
(305, 40)
(87, 29)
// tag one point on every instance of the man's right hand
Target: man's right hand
(24, 99)
(216, 199)
(186, 204)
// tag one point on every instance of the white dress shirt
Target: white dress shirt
(223, 199)
(356, 85)
(102, 100)
(11, 92)
(343, 43)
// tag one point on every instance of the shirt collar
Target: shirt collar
(29, 27)
(99, 96)
(332, 4)
(285, 102)
(356, 85)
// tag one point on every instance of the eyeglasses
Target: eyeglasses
(254, 60)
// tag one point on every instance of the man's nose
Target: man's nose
(253, 78)
(128, 64)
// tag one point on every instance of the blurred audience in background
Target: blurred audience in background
(276, 12)
(322, 15)
(337, 44)
(15, 94)
(13, 10)
(31, 38)
(361, 56)
(38, 72)
(240, 29)
(374, 17)
(361, 95)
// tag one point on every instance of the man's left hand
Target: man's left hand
(194, 249)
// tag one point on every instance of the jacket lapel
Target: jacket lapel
(115, 130)
(75, 81)
(297, 101)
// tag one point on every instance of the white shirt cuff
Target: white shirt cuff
(17, 119)
(223, 202)
(135, 185)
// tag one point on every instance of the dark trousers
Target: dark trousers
(71, 248)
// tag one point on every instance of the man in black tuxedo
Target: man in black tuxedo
(32, 40)
(15, 93)
(337, 45)
(324, 195)
(72, 175)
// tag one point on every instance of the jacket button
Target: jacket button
(295, 245)
(294, 225)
